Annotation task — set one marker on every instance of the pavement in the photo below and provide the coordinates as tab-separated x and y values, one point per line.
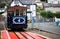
44	33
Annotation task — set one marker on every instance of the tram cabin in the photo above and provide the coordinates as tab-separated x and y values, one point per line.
16	17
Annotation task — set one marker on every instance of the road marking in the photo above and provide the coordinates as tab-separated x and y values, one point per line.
20	35
8	34
35	36
28	37
38	35
12	35
4	34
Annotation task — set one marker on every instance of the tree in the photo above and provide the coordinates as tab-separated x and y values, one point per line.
43	14
39	9
57	14
2	5
50	14
46	14
1	13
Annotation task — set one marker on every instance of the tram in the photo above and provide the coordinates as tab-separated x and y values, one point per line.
16	17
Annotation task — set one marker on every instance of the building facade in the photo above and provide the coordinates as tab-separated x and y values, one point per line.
54	1
52	5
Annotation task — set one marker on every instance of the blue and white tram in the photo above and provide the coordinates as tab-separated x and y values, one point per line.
16	17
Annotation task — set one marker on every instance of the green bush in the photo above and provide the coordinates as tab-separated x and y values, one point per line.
1	13
57	14
2	5
39	9
50	14
43	14
46	14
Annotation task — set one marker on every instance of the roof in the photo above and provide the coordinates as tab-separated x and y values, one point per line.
52	5
14	8
26	1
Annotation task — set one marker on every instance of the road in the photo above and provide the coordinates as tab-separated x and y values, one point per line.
47	34
2	25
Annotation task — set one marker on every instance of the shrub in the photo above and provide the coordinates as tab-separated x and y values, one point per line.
43	14
47	14
39	9
50	14
2	5
57	14
1	13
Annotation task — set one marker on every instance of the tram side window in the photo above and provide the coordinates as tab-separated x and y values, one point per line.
21	13
24	12
17	12
11	13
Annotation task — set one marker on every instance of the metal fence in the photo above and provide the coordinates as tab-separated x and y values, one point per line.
45	24
39	19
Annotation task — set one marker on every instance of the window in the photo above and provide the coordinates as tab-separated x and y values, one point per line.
17	12
21	13
28	6
44	0
51	2
24	12
10	13
58	2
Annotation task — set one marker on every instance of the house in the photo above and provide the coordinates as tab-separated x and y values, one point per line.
52	5
37	0
54	1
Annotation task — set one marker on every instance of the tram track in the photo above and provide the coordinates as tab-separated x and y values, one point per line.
24	35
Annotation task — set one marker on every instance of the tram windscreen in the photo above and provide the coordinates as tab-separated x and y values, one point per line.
17	12
10	13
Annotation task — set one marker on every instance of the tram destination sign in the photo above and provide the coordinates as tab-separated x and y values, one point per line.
18	20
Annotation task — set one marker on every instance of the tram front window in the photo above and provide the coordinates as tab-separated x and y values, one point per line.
11	13
17	12
21	13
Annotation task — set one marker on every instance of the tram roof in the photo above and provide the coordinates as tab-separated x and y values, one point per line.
14	8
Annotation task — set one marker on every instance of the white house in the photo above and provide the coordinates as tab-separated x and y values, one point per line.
54	1
52	5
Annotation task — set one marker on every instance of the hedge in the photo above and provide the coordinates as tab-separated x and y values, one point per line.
1	13
46	14
2	5
57	14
